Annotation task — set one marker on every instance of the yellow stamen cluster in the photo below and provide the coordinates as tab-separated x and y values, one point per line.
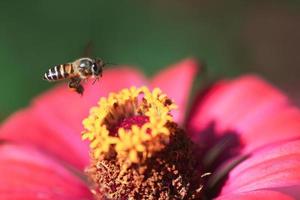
137	142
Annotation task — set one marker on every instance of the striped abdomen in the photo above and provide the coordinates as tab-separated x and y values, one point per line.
59	72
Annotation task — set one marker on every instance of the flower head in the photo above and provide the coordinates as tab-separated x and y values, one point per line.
138	150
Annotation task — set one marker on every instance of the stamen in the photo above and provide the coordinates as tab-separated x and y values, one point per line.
126	121
138	151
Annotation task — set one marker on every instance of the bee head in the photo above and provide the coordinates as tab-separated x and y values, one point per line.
97	67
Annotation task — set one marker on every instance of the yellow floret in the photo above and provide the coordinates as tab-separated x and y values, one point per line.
136	143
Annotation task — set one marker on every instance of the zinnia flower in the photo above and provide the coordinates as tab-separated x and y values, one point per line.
240	140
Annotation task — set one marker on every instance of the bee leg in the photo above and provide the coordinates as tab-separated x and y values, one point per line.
96	79
75	84
79	89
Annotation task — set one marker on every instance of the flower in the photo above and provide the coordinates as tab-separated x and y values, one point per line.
246	133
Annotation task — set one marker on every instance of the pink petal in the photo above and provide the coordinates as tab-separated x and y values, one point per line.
275	167
27	174
257	195
56	139
54	122
176	81
252	108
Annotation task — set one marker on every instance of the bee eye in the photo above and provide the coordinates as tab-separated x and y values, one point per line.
94	68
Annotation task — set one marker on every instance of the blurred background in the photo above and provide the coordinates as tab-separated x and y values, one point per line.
232	37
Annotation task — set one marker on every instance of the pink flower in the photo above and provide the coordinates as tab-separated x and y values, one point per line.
247	130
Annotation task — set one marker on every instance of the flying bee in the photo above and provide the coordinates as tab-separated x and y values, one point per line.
80	69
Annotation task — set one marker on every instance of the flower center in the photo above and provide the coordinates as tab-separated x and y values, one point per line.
128	122
138	151
134	122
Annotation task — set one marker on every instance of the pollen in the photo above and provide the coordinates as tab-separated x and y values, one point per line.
133	123
137	150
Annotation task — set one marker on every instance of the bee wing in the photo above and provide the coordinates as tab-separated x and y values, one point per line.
88	50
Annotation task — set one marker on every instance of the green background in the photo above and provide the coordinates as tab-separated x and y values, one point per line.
231	37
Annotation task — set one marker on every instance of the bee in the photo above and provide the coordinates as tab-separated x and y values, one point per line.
80	69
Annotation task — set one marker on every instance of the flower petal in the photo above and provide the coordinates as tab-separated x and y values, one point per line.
257	195
55	139
176	81
275	167
53	122
252	108
27	174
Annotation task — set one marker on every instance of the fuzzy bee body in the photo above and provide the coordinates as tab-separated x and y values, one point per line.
80	69
60	72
